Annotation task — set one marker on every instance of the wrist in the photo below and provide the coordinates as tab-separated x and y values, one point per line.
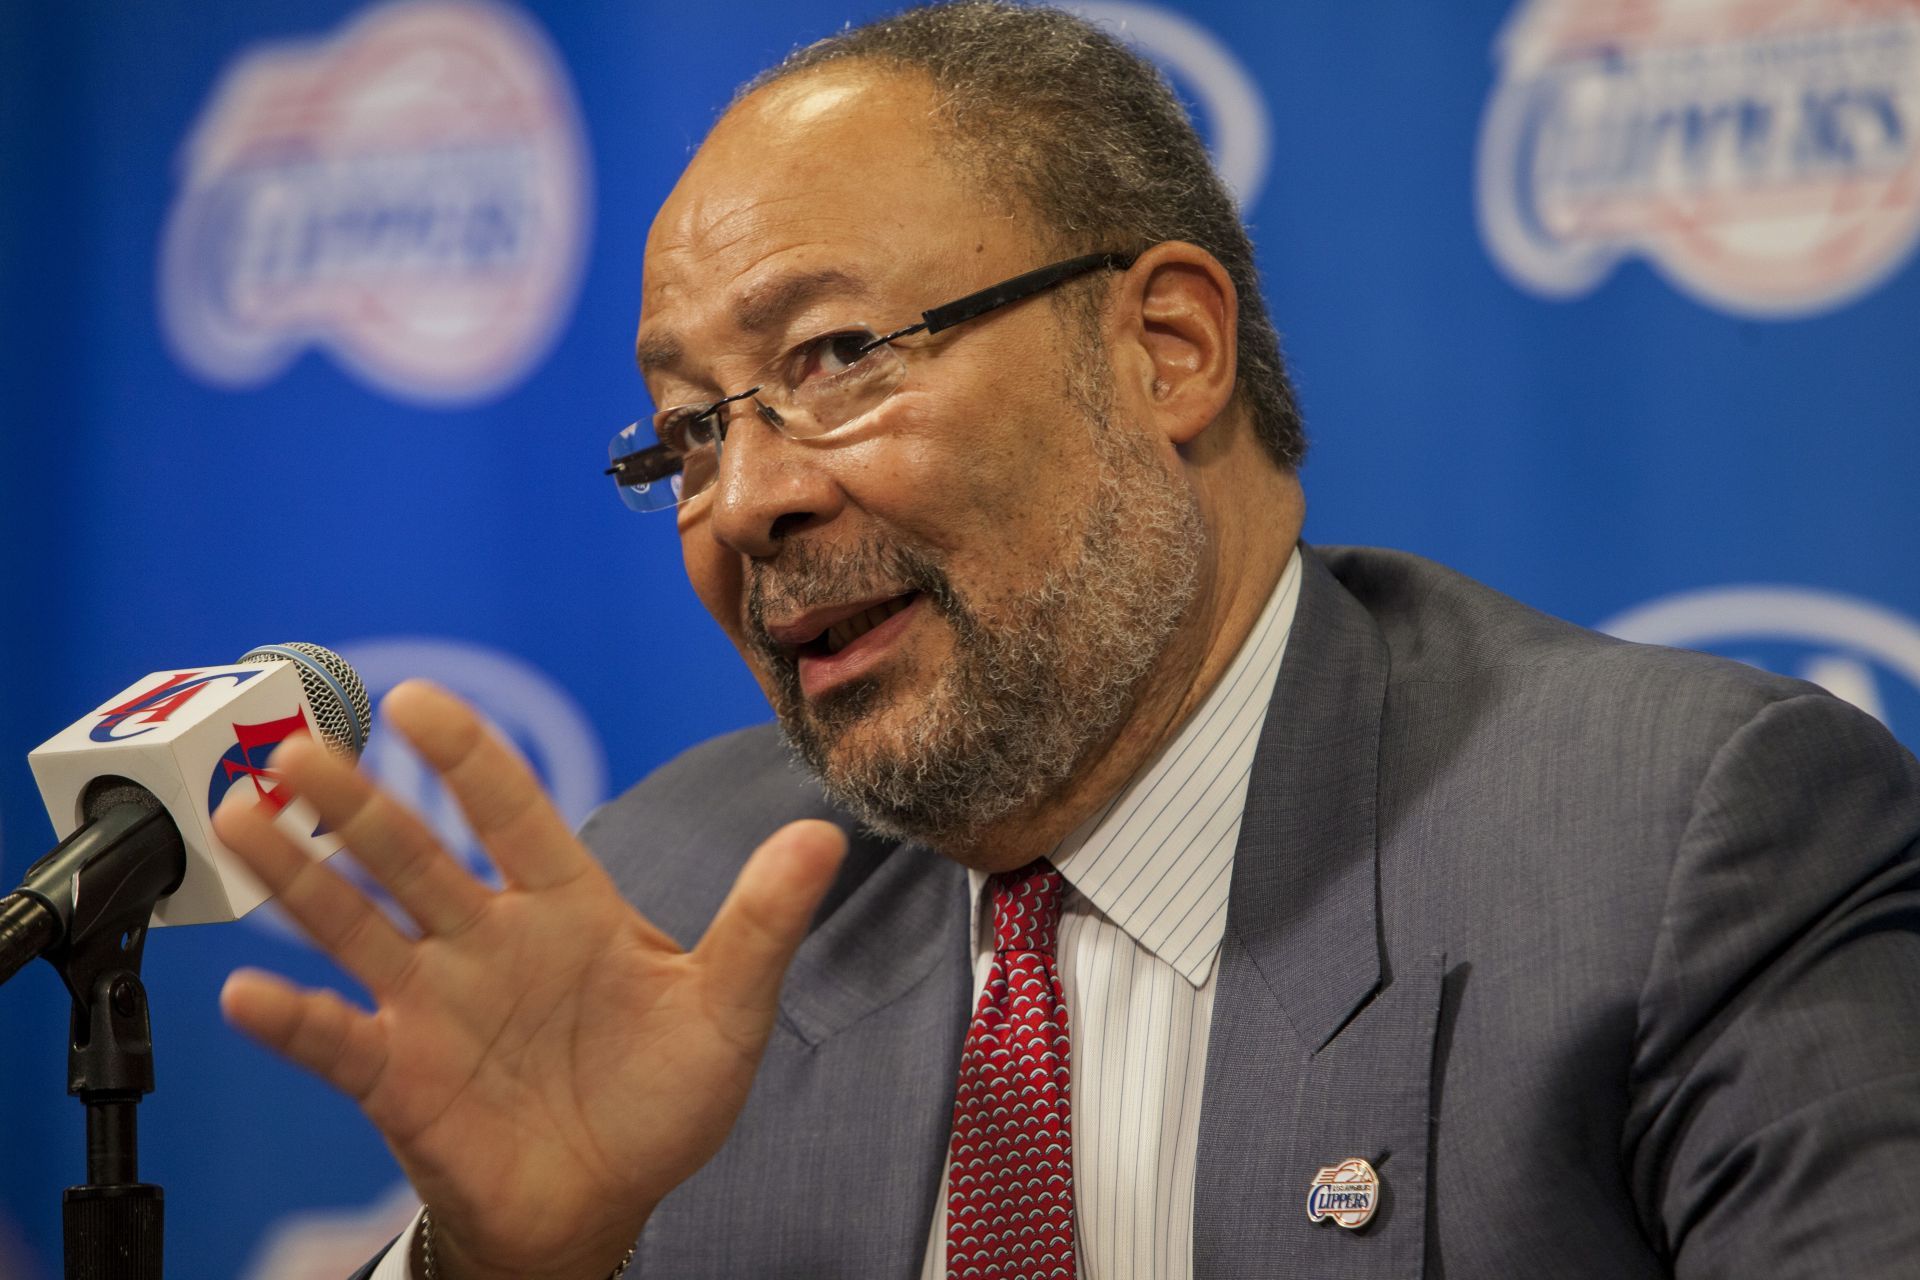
436	1257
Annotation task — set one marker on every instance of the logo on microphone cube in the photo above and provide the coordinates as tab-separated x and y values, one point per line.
189	737
156	706
246	760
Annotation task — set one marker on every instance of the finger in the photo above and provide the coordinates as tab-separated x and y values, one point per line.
392	843
766	913
334	914
316	1030
510	814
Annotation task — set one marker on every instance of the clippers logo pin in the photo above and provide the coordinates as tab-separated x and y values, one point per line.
1347	1192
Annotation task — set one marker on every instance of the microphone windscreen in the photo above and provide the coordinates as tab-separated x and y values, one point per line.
334	689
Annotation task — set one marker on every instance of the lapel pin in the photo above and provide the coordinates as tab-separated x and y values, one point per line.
1347	1192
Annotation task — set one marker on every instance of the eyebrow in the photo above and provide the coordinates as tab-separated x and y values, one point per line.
656	351
763	308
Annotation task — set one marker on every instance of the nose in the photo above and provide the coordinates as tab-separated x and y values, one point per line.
769	486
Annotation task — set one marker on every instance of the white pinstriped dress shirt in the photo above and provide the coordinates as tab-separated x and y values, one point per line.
1140	928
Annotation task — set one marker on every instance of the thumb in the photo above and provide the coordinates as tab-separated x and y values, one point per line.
766	913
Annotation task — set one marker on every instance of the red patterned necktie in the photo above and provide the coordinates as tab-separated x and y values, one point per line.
1010	1181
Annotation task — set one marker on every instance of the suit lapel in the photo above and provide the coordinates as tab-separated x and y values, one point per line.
831	1171
1310	1060
1305	895
877	996
904	912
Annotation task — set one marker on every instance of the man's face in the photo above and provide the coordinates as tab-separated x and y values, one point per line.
951	603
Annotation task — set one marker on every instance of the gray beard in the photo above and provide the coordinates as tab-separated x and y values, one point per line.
1023	702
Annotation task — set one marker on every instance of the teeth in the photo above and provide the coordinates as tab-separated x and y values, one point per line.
847	630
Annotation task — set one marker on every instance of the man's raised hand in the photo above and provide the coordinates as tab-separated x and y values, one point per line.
544	1063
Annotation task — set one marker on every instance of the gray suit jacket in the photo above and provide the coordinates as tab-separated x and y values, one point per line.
1607	957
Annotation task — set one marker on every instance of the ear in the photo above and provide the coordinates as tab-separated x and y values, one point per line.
1177	345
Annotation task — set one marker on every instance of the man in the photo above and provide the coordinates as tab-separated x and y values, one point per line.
1318	914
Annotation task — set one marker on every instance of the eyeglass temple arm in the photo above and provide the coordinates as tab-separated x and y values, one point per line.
1021	286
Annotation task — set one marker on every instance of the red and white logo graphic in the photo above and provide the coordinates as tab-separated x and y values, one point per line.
409	195
1764	155
150	708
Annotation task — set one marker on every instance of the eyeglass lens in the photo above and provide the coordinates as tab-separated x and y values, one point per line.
811	390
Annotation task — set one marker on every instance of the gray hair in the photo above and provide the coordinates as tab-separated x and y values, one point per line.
1094	141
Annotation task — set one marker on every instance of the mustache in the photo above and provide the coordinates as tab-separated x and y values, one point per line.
806	576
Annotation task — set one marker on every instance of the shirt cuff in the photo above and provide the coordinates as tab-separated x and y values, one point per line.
394	1265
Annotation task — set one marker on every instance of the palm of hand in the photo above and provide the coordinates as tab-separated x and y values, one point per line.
563	1039
545	1064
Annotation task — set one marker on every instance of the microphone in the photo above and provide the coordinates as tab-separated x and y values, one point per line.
131	788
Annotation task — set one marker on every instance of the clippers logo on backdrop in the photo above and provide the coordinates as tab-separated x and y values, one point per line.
1863	652
409	195
1763	154
539	718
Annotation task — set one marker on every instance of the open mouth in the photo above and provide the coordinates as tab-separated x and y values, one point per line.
847	630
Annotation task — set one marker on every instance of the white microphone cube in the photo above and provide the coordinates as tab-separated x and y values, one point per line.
191	737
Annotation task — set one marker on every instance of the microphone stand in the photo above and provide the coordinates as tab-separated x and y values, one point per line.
113	1222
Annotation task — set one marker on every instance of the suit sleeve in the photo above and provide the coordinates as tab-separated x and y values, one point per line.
1775	1123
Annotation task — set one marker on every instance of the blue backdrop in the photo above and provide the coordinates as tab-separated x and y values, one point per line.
315	316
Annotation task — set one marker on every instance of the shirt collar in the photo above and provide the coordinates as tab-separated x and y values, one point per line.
1158	859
